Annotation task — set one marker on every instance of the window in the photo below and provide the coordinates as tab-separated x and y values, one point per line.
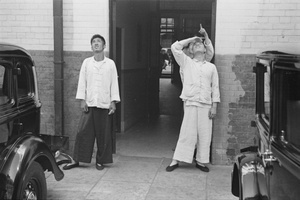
3	85
289	104
263	90
267	92
167	30
23	80
167	25
4	102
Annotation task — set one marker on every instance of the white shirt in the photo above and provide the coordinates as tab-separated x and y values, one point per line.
98	83
201	80
209	54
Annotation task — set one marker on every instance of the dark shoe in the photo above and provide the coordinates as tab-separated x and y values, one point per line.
71	165
171	168
202	167
99	166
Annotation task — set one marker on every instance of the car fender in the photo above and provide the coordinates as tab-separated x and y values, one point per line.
17	157
248	178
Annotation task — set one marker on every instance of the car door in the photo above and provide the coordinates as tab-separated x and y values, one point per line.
285	177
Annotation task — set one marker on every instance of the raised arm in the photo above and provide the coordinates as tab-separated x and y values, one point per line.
207	42
177	49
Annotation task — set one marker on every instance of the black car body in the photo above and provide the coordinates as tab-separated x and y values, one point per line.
271	170
24	156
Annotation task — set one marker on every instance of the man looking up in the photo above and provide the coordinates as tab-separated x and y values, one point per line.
200	94
98	91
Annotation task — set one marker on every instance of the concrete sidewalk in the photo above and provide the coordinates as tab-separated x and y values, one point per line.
141	178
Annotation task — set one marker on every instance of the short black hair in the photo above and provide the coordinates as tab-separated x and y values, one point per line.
98	36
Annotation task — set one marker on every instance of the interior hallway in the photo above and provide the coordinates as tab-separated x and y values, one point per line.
156	138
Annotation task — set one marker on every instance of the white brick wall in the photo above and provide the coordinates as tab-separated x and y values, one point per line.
247	26
29	23
243	26
82	19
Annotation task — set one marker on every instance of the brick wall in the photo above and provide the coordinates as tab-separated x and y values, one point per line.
243	28
27	23
232	130
45	73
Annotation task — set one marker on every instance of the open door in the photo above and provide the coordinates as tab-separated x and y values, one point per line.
154	68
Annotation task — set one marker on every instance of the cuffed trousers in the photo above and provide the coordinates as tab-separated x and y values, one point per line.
95	124
196	129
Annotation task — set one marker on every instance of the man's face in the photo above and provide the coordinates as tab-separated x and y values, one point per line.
97	45
197	46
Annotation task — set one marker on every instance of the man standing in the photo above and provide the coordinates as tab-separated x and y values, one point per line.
200	94
98	92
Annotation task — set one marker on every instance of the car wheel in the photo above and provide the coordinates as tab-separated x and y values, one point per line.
33	186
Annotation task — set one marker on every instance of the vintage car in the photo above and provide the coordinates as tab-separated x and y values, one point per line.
24	155
271	170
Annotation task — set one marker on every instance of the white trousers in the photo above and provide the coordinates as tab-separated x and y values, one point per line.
196	129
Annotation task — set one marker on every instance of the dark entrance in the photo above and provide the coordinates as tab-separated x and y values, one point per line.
144	27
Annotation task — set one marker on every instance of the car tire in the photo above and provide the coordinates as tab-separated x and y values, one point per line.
34	184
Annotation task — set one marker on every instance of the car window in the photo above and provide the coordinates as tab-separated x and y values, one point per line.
267	92
289	112
23	79
3	86
293	109
263	93
4	100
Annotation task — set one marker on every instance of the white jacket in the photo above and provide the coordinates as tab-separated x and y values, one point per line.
98	83
201	80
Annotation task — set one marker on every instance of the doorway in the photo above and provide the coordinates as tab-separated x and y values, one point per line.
148	26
